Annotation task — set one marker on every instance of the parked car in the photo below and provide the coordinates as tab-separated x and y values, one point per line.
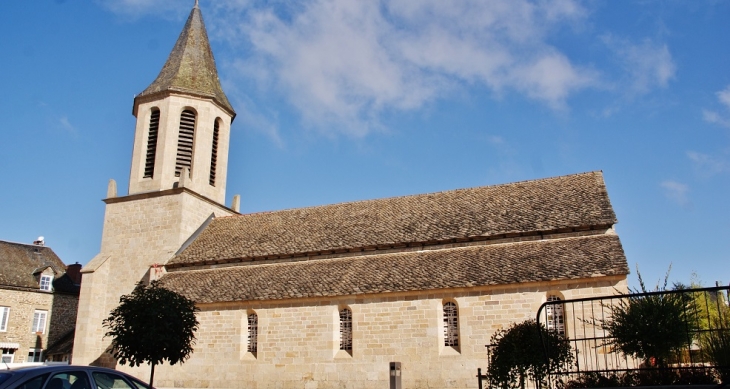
67	377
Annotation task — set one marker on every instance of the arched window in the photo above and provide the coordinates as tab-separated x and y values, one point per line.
214	152
149	163
346	329
451	325
253	333
185	142
555	315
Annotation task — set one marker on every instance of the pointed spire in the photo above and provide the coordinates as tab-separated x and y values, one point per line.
190	68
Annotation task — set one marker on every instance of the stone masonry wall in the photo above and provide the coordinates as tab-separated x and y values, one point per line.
137	234
298	341
63	316
23	305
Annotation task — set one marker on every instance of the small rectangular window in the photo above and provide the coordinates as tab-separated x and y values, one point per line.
46	283
35	355
8	355
4	315
39	321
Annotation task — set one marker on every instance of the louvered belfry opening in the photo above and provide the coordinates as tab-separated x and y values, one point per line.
346	329
214	153
451	325
185	142
149	163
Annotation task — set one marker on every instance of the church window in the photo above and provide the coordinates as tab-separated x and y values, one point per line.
346	329
4	314
451	325
214	152
555	315
46	283
149	163
185	138
253	332
39	321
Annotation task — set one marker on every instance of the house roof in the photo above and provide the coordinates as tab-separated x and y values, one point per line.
496	264
190	68
19	262
551	204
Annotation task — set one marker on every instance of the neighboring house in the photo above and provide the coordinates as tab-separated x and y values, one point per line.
38	302
328	296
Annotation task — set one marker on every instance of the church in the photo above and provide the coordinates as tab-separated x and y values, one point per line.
328	296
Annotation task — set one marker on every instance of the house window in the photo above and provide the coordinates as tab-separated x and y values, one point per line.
214	153
8	355
185	142
555	315
346	329
149	163
451	325
39	321
35	355
46	282
253	332
4	315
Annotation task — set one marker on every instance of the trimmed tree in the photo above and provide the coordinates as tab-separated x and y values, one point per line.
151	325
519	354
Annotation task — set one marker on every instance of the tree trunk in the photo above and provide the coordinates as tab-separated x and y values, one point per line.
152	374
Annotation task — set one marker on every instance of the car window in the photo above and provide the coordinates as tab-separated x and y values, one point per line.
68	380
110	381
4	377
139	384
33	383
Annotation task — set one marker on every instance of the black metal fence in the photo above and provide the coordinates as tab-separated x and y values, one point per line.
656	338
617	337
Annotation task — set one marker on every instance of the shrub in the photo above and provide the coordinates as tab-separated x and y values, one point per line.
519	354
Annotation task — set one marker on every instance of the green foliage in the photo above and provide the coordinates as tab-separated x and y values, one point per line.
518	354
715	338
151	325
652	377
652	328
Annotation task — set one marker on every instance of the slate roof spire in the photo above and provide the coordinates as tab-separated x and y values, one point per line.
190	68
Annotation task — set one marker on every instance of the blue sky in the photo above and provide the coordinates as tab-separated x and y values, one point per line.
348	100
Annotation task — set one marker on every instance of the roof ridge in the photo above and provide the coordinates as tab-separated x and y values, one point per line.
594	172
24	244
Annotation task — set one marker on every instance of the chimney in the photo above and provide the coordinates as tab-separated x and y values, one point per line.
74	273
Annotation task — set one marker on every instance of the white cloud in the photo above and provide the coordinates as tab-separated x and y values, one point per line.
648	64
676	192
723	97
66	125
344	63
707	165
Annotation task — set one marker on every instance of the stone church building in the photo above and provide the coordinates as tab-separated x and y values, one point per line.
328	296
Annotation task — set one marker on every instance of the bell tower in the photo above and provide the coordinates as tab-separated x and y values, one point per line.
177	184
183	121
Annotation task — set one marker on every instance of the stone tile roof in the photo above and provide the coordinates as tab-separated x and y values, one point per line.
19	262
550	204
190	68
498	264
